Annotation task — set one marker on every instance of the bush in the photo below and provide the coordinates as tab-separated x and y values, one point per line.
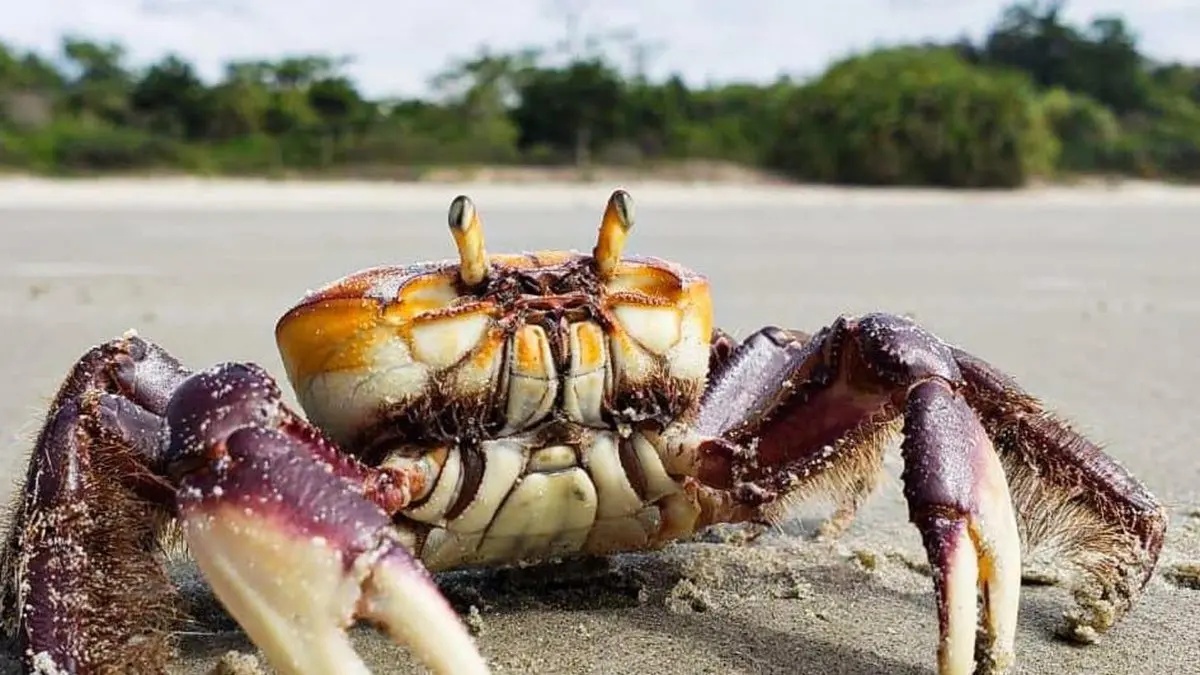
1089	134
914	116
250	154
1169	145
72	147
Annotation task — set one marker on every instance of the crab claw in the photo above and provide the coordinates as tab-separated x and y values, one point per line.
286	539
959	499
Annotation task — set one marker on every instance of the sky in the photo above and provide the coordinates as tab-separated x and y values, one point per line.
396	46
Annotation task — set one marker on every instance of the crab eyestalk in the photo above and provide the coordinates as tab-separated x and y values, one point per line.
614	228
468	237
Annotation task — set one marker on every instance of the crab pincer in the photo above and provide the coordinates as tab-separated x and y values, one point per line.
959	500
281	527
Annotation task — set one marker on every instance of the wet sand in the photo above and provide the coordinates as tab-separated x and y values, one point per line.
1091	298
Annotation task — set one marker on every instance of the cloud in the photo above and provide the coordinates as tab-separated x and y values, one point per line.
397	45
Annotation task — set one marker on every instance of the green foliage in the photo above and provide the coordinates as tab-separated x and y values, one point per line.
1089	135
171	100
1166	143
578	107
1036	97
71	147
912	116
1100	61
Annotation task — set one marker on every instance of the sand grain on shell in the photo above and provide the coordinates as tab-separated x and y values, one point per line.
1088	297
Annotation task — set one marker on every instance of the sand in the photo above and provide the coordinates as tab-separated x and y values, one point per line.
1091	297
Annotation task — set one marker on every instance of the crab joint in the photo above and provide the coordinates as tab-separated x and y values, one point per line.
468	237
614	228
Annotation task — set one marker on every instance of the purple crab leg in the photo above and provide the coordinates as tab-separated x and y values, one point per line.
82	587
987	469
283	530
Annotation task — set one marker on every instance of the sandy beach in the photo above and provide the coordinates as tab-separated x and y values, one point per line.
1090	297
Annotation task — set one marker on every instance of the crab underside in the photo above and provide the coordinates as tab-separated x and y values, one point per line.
502	409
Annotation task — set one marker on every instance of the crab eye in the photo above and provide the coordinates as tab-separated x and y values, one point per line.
468	237
614	228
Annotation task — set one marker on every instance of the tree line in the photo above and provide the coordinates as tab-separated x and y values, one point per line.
1037	97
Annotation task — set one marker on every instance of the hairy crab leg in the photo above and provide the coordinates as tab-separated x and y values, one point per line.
290	534
82	589
1115	528
817	412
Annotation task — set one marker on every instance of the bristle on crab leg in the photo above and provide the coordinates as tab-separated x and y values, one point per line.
614	229
288	543
468	237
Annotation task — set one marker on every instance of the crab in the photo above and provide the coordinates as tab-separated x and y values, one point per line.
505	409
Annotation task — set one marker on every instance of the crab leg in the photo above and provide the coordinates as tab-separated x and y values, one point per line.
959	500
1070	495
82	590
817	413
288	533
